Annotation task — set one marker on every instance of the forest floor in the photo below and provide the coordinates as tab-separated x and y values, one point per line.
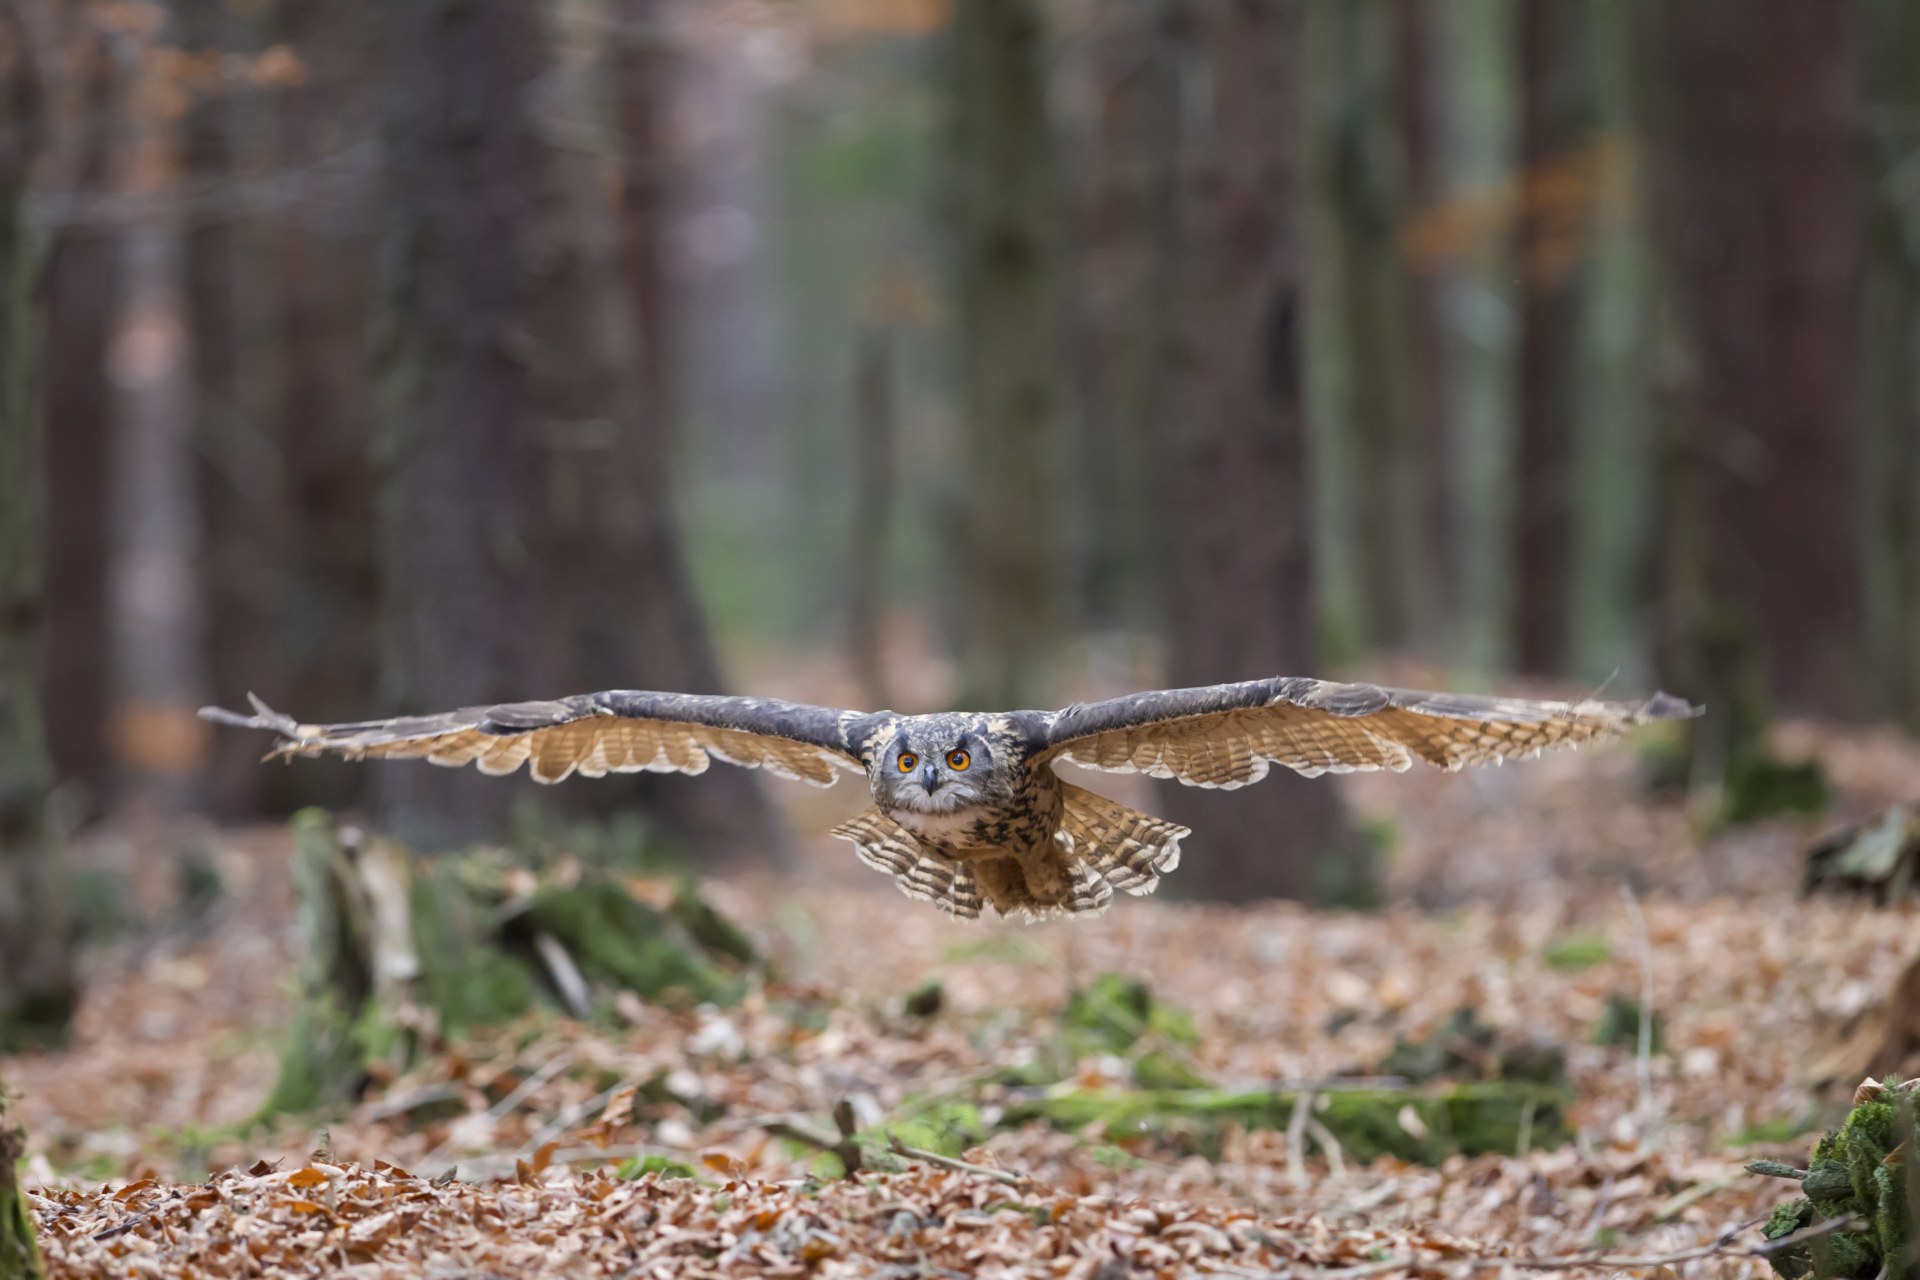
1507	898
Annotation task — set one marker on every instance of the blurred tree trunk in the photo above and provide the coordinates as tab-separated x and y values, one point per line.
530	545
636	613
1007	214
1124	221
310	484
1549	243
240	474
472	190
36	961
19	1253
1891	442
1241	581
155	591
1370	295
876	472
82	289
1757	129
1420	106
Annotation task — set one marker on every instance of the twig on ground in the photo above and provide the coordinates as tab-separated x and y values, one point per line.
845	1146
544	1072
1643	1048
1329	1147
134	1223
1297	1139
1007	1176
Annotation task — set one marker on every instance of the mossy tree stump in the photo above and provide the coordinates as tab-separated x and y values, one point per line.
19	1254
1866	1170
402	953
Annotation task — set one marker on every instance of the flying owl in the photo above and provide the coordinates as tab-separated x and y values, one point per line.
967	808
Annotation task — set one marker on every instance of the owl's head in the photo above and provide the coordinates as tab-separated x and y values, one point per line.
936	764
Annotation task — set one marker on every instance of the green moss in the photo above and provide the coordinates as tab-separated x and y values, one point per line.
1619	1026
1860	1169
925	1000
616	938
19	1252
467	950
1116	1014
660	1166
1421	1126
946	1125
1572	952
1465	1048
1762	787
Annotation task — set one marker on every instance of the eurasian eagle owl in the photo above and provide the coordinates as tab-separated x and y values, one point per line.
967	809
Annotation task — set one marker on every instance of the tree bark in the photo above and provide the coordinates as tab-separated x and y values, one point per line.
1891	440
19	1253
1420	107
300	481
472	192
1242	583
530	546
655	636
153	491
876	439
36	960
1548	242
1374	440
1758	134
1123	218
82	290
1007	215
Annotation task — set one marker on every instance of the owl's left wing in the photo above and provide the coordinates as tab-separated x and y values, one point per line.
1228	735
618	731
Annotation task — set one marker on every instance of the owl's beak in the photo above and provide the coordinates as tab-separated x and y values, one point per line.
930	778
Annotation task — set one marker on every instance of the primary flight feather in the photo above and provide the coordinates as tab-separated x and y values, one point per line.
968	810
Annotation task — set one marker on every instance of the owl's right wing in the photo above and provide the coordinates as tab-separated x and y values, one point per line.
1227	735
619	731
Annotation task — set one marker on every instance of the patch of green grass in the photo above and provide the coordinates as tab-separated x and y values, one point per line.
1572	952
640	1166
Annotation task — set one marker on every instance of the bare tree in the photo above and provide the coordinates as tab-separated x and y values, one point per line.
1891	445
81	289
1241	590
1420	107
36	972
1756	114
1007	213
476	204
1553	110
529	537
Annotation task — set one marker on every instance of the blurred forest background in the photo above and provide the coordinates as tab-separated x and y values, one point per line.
393	358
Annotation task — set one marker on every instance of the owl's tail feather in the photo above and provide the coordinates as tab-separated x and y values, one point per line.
885	845
1130	850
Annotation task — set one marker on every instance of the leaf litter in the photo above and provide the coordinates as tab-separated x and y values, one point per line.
647	1144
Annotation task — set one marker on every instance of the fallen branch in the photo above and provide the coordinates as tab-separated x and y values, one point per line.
844	1147
1007	1176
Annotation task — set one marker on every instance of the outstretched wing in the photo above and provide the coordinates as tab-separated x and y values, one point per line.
620	731
1227	735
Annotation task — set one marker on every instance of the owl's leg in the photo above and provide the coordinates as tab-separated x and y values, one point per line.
1004	884
1048	879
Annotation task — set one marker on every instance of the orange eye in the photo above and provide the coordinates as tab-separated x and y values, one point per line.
909	762
958	760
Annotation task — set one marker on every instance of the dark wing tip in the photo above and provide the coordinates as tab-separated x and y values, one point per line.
1664	706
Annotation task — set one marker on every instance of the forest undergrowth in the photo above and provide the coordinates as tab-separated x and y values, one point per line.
1532	913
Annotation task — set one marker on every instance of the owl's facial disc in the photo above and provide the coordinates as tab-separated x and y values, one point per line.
930	777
